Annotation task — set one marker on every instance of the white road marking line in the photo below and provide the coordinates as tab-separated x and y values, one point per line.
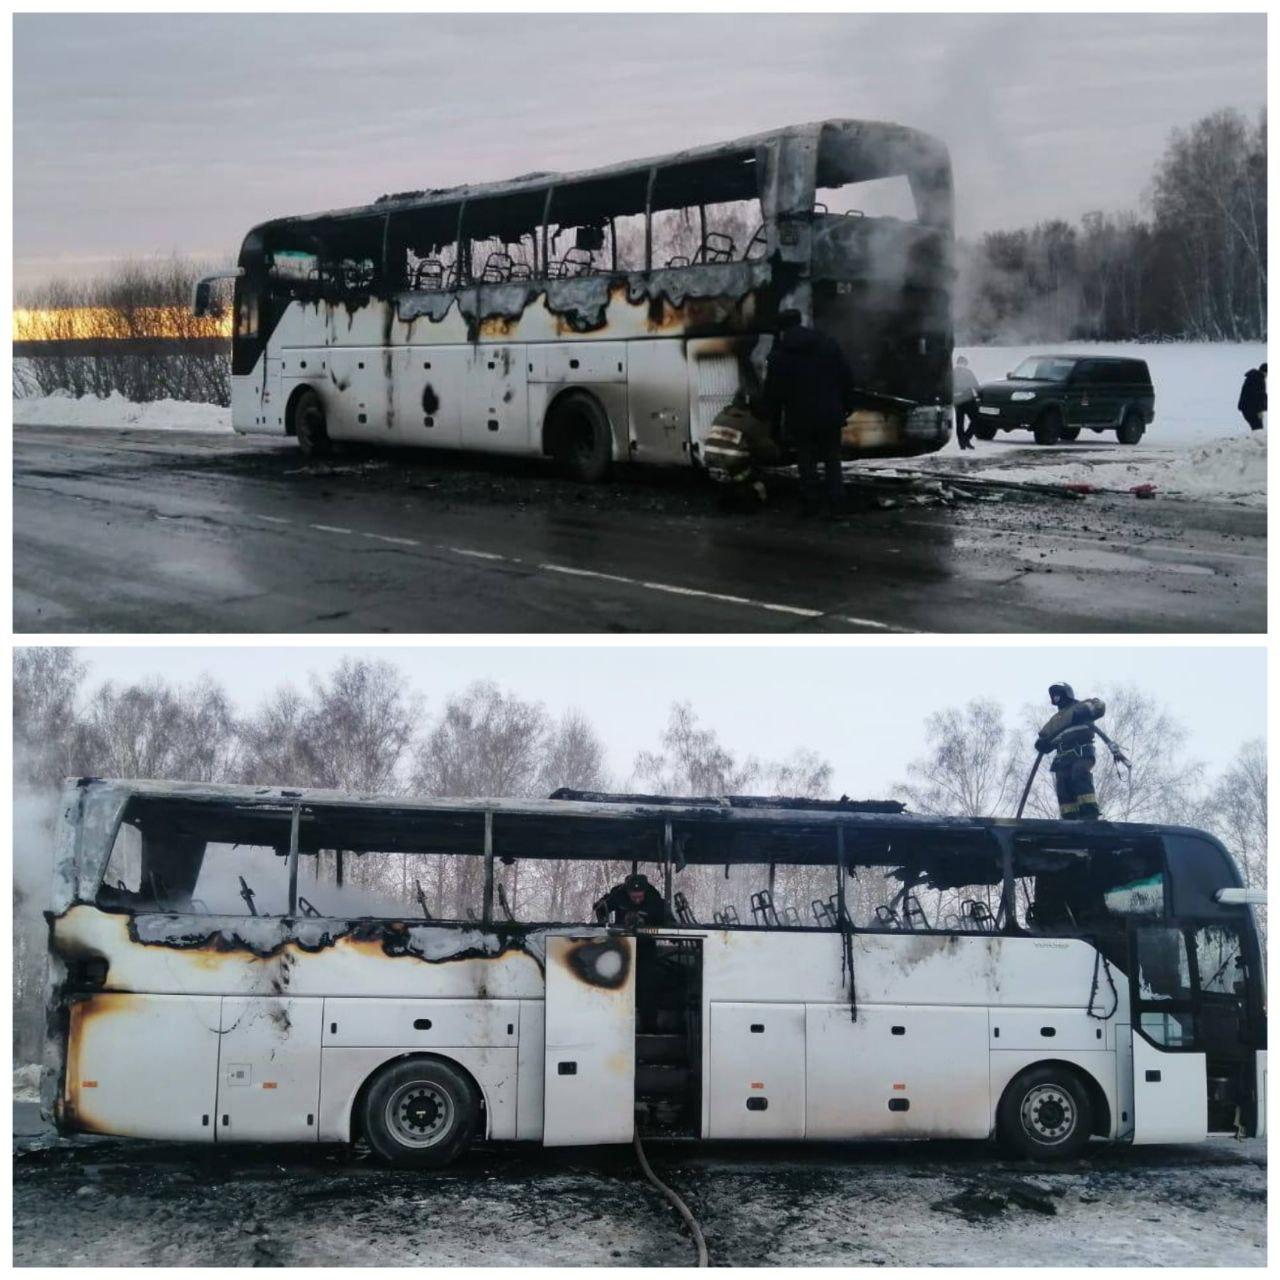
276	519
398	542
478	555
672	589
328	528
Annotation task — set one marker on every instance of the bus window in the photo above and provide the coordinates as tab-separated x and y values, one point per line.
242	880
733	228
1164	987
676	238
875	198
1219	962
1065	889
941	894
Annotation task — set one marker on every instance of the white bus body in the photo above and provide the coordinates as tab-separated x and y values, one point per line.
215	1028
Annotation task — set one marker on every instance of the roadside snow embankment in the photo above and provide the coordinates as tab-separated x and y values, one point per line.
115	413
1233	470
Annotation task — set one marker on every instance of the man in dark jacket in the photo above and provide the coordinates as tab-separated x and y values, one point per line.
633	903
1253	397
1069	735
809	389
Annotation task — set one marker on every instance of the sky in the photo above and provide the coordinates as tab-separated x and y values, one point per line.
861	707
148	134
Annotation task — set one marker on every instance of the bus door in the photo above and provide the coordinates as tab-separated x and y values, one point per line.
589	1080
1169	1069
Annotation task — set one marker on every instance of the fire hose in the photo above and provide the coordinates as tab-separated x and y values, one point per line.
681	1208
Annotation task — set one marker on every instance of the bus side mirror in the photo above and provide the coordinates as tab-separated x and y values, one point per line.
202	301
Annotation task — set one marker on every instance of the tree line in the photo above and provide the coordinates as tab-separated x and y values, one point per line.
1195	267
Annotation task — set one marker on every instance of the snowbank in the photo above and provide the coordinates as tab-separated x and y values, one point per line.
1227	471
26	1083
118	414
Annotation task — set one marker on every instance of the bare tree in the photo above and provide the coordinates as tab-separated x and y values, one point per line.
46	743
971	765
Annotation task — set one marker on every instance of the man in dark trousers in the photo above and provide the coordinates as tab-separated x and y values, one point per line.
809	389
964	396
1253	397
1069	735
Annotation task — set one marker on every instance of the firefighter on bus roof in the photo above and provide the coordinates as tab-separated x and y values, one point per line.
1069	735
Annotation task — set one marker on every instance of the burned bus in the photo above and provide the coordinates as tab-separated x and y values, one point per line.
251	964
606	316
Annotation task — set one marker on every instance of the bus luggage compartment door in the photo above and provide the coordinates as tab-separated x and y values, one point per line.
143	1066
269	1069
1170	1102
589	1063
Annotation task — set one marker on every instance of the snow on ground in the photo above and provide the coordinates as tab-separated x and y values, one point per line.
26	1083
118	414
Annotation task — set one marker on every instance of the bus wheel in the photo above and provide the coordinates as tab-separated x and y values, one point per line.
420	1113
309	426
1131	429
1048	430
1045	1114
578	438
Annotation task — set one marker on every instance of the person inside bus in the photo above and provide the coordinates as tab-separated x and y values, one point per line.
809	391
633	903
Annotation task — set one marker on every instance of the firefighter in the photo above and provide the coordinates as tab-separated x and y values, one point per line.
739	443
809	390
1069	735
964	396
633	903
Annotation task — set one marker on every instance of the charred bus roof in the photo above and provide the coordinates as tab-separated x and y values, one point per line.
585	825
825	153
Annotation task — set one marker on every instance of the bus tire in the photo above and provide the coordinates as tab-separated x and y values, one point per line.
420	1113
1132	428
578	437
309	424
1048	428
1045	1113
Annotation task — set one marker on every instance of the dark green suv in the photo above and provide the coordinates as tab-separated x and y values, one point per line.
1055	397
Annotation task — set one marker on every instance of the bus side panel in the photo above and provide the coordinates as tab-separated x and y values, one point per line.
757	1076
269	1069
420	1024
496	417
1260	1128
898	1071
343	1071
143	1066
531	1065
1170	1095
658	401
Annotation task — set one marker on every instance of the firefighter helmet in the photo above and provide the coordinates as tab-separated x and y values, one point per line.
1061	692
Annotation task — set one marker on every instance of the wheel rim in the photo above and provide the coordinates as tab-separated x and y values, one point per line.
419	1114
1049	1114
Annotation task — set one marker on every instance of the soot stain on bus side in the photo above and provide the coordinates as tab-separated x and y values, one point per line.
600	963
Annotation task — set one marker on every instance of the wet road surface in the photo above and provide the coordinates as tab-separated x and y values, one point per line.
175	532
107	1201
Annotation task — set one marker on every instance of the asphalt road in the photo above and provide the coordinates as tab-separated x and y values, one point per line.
106	1201
173	532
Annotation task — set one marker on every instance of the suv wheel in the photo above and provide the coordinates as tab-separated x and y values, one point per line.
1049	427
1069	433
984	431
1132	428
